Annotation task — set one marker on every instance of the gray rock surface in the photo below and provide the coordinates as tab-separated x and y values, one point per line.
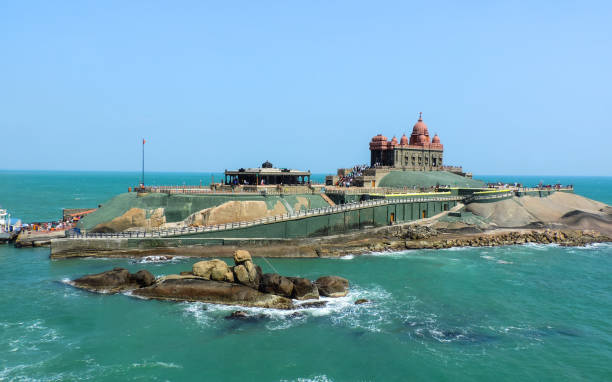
113	281
215	292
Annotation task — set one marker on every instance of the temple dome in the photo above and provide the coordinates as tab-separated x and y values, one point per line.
394	141
404	140
379	138
436	139
423	139
420	128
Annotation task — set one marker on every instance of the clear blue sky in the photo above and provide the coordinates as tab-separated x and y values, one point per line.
510	87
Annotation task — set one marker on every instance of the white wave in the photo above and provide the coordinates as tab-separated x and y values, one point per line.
199	311
487	257
168	365
394	254
594	246
347	257
316	378
158	259
539	246
341	310
456	248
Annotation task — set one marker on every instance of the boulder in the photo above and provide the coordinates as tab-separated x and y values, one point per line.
304	289
229	276
332	286
245	317
113	281
311	304
237	315
212	269
247	274
240	256
214	292
143	278
361	301
276	284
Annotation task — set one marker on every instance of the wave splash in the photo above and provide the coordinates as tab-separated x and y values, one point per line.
341	311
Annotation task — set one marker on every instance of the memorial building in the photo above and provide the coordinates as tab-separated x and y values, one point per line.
417	153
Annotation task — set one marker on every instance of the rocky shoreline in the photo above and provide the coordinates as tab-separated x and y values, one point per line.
393	238
424	237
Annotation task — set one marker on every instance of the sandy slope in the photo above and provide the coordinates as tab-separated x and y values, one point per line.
570	210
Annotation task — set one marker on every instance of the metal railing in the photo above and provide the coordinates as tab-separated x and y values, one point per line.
229	190
300	214
497	195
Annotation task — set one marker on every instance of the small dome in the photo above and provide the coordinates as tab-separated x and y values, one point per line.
266	164
436	139
394	141
379	138
423	139
404	140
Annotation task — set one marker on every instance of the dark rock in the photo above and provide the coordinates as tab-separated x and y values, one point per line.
332	286
215	292
295	315
143	278
362	301
304	289
237	315
276	284
113	281
313	304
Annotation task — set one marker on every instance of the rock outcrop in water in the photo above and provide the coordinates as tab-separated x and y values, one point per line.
115	280
332	286
215	282
216	292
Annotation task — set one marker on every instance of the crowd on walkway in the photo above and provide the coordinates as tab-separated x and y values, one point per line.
58	225
540	186
349	178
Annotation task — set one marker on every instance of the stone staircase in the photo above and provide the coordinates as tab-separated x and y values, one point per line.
328	200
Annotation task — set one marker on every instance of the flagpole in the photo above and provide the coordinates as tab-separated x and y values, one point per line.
143	144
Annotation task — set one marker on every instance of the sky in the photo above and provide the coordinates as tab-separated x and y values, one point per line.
511	87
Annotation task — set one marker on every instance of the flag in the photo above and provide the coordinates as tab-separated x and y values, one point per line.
143	141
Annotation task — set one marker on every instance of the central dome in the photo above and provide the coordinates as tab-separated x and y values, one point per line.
420	128
420	134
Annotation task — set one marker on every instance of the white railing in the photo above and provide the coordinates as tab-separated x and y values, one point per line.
300	214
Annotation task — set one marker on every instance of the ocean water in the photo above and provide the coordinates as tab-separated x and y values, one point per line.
532	312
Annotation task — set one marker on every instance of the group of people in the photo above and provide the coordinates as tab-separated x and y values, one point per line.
348	179
69	222
540	186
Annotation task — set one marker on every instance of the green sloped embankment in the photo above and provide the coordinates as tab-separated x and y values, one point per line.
417	179
179	207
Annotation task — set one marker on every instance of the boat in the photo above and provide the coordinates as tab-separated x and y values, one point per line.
8	231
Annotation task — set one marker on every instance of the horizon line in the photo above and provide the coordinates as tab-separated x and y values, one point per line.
315	173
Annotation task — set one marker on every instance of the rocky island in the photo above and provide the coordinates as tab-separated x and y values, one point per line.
407	198
215	282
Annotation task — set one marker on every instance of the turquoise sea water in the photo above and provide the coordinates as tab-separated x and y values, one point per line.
530	312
